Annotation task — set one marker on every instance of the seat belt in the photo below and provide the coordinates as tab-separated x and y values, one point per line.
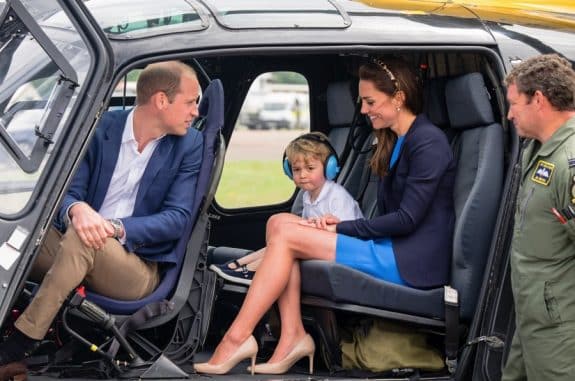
137	319
451	301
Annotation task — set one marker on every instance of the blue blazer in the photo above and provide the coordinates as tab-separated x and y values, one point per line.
415	202
164	202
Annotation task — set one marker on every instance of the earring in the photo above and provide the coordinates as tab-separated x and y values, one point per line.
398	109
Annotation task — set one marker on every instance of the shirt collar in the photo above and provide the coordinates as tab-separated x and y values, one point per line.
567	129
322	193
128	134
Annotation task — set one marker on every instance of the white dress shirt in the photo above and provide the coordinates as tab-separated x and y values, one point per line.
123	189
332	199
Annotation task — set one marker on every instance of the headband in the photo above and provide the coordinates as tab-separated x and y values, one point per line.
384	67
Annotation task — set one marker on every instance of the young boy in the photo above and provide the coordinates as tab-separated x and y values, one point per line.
311	162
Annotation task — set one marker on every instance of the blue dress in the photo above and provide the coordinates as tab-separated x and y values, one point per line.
413	232
376	256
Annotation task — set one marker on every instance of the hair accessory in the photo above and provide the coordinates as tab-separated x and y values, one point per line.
384	67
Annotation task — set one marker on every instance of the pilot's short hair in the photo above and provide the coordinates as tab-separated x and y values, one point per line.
161	76
551	74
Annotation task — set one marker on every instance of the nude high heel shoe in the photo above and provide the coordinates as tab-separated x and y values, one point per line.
248	349
305	347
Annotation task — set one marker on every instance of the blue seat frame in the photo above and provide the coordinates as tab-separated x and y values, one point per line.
210	122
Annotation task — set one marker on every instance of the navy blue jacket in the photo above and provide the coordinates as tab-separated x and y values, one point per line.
415	202
164	202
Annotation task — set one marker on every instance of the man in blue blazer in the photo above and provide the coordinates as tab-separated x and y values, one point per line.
128	204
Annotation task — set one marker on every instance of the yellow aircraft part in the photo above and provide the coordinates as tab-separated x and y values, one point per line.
555	14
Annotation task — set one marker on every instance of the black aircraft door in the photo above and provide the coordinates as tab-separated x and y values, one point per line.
54	63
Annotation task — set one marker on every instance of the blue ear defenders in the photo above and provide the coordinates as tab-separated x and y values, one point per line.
331	165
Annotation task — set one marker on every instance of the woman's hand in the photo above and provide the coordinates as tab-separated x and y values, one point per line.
326	222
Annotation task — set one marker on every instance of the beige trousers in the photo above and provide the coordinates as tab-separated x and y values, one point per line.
65	262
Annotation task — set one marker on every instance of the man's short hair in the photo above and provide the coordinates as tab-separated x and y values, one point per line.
549	73
161	76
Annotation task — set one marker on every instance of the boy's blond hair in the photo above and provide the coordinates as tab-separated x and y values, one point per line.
307	148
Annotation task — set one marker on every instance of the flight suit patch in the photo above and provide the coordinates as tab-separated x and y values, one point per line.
571	163
543	172
573	190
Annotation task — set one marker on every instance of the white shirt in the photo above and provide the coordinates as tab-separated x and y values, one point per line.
333	199
123	189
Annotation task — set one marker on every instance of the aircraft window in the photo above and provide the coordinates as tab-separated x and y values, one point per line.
124	96
38	87
129	19
275	111
279	14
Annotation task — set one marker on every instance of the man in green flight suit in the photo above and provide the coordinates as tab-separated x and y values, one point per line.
541	92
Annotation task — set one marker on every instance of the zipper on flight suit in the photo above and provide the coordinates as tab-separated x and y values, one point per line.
524	207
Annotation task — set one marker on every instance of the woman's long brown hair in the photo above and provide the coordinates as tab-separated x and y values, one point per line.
390	75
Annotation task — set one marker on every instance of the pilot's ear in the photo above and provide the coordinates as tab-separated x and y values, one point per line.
540	99
160	100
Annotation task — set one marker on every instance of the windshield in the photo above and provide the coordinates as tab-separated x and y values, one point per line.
41	71
126	19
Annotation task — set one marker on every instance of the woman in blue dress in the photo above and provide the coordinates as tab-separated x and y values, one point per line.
409	243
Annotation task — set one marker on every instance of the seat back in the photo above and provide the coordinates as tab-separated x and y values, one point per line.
210	122
340	109
434	105
478	149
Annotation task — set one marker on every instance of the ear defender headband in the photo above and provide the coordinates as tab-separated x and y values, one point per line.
331	164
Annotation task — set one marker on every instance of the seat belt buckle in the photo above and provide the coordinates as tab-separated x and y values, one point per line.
450	296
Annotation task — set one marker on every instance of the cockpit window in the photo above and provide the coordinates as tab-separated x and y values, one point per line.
279	14
130	19
41	71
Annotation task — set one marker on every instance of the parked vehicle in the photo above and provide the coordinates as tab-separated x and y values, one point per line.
80	52
286	111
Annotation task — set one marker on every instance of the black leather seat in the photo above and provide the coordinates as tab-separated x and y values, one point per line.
478	145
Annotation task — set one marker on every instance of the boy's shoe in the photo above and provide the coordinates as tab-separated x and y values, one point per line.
240	274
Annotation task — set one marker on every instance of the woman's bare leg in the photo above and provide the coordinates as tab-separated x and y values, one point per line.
292	329
287	242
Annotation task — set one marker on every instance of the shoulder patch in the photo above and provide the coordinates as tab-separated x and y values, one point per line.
543	172
571	163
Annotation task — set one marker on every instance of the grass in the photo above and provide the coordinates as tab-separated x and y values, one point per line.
244	183
253	183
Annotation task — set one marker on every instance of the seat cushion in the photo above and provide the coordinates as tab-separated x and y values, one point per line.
341	284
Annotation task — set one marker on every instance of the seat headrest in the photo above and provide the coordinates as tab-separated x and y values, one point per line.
434	102
468	103
340	104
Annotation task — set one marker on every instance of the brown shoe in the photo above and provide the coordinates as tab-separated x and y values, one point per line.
16	371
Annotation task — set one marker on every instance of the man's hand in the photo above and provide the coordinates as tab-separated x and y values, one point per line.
91	227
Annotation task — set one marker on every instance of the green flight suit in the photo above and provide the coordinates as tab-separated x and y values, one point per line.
543	263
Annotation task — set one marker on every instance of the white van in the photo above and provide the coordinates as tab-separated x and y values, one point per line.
284	110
